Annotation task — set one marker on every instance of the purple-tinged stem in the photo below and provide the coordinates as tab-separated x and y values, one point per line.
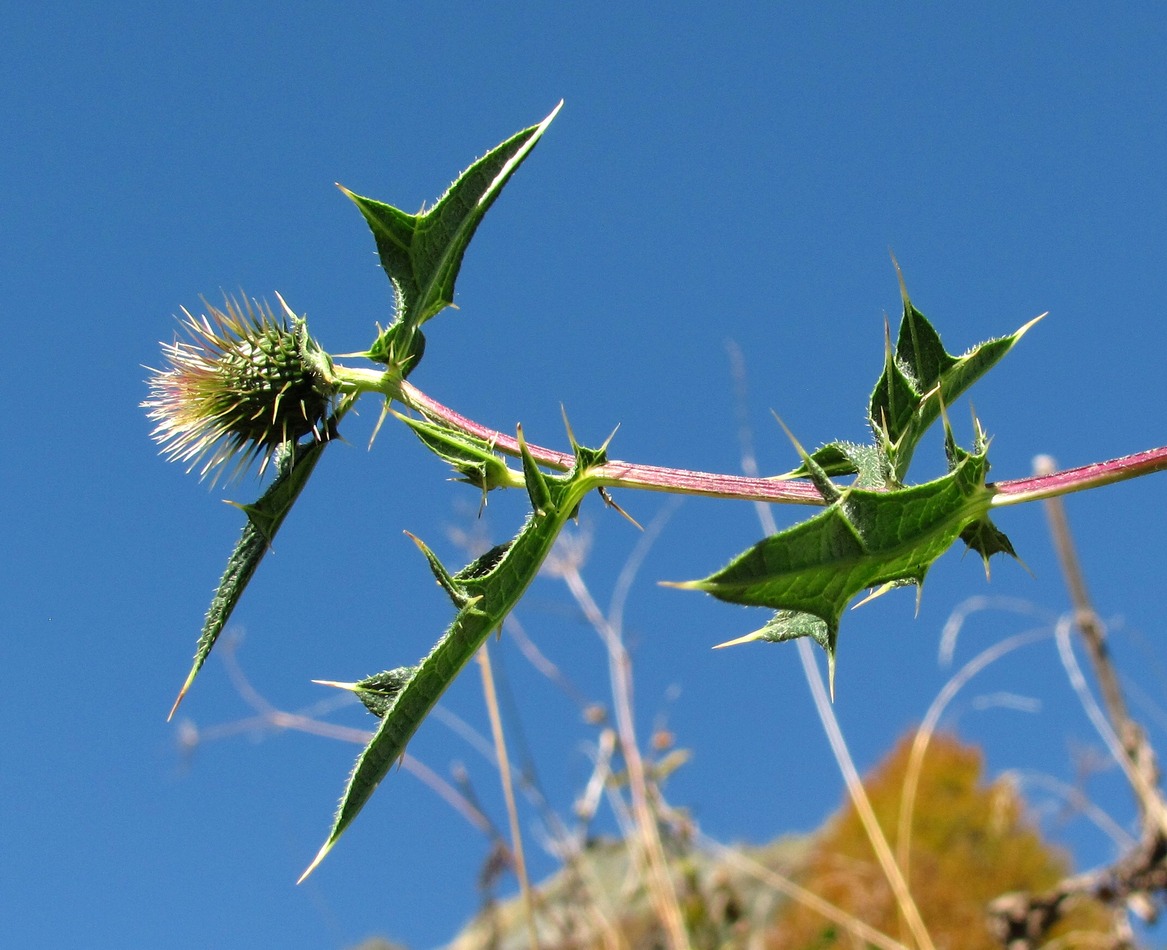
627	474
786	491
1018	490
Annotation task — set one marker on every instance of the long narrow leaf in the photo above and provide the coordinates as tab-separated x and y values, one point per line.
488	592
264	519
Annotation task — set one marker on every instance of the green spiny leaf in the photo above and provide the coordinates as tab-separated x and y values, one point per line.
791	625
484	564
377	692
918	375
445	580
474	459
987	539
400	347
538	485
981	535
294	465
866	539
868	462
422	253
816	473
492	585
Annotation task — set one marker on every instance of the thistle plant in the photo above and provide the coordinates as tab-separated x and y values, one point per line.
249	386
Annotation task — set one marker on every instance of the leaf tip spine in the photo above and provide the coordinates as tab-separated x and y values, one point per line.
900	278
877	592
737	641
611	503
351	687
608	441
320	856
182	692
567	425
817	473
1028	326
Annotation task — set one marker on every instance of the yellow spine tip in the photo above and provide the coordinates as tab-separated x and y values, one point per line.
320	855
748	638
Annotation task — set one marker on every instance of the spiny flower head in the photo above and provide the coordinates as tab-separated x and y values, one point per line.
243	383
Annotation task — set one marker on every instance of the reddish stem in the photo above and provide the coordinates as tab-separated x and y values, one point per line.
787	491
1018	490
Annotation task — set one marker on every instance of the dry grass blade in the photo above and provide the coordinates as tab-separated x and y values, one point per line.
504	771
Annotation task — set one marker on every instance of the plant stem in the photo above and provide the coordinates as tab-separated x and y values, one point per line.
1052	484
625	474
1140	762
791	491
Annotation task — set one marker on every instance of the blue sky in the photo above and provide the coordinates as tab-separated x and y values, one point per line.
732	174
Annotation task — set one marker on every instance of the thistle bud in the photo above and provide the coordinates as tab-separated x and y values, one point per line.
242	383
